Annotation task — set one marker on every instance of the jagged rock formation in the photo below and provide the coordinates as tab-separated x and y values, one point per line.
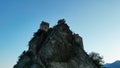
56	47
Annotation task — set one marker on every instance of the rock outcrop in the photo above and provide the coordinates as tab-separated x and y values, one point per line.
56	47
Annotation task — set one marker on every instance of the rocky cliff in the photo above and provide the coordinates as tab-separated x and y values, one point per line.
56	47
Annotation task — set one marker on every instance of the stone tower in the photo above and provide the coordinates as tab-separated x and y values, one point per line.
44	26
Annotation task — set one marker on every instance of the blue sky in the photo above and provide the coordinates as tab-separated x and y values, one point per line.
97	21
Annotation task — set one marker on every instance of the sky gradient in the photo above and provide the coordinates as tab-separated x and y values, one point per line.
96	21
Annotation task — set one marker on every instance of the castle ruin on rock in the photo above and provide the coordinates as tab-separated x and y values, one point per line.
56	47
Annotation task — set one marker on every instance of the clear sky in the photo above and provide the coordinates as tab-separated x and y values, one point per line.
97	21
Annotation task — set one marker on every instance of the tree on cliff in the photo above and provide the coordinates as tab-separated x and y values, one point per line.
97	59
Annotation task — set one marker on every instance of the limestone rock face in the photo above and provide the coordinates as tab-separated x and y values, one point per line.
58	47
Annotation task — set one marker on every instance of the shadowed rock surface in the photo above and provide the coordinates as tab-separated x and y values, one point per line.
56	47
